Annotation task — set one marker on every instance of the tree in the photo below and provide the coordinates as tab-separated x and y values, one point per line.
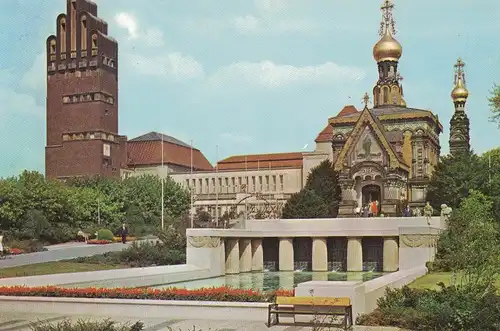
305	204
471	244
324	181
453	177
494	100
491	187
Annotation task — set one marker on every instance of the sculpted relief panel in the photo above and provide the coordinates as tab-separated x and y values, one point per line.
204	242
367	148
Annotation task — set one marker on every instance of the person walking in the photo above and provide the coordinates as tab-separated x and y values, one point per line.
124	233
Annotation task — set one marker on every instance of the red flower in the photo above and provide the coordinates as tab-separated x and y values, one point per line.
203	294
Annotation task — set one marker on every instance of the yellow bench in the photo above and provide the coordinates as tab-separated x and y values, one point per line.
317	306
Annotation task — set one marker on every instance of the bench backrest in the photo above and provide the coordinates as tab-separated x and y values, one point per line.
314	301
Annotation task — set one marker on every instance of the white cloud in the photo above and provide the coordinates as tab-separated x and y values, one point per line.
14	102
239	138
34	78
271	75
173	65
246	23
129	22
271	5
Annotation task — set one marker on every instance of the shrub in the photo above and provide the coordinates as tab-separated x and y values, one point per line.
82	325
204	294
105	234
451	308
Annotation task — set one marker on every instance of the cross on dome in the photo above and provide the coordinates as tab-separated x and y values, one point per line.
388	21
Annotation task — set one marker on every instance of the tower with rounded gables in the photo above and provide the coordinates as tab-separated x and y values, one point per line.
82	96
459	123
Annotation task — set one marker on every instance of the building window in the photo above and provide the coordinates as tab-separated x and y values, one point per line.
233	180
267	183
206	185
260	183
200	184
274	183
62	36
213	186
281	184
187	183
106	150
219	182
84	33
253	184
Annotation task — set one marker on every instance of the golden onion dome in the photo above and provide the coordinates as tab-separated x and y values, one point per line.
459	93
387	48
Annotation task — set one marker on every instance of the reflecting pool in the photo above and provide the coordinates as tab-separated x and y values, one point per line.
265	281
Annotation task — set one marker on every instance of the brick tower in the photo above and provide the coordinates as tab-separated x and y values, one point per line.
82	97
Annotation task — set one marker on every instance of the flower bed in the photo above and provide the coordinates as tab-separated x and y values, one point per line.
99	242
14	251
119	239
204	294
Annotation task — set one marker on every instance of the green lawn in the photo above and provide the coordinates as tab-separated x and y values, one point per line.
430	281
53	268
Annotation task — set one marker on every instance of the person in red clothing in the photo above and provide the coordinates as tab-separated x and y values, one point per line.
373	208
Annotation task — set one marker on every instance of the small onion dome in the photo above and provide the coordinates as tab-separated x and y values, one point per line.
387	48
459	93
403	102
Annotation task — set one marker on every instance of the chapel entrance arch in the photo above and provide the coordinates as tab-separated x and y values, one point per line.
371	192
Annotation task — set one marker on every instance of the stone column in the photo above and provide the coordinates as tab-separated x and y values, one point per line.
286	254
232	256
391	255
257	255
354	254
319	254
245	255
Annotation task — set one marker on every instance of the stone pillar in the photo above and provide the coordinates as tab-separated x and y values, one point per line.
245	255
354	254
286	254
232	256
391	255
257	255
319	254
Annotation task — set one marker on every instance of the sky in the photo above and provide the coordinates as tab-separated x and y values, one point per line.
251	76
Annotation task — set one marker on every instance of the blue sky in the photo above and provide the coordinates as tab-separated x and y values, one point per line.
253	76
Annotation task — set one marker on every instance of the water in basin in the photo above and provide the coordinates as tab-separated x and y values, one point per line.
272	280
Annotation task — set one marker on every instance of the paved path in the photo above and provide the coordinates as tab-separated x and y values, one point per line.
60	252
21	322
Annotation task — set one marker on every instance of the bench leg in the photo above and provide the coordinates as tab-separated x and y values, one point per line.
350	317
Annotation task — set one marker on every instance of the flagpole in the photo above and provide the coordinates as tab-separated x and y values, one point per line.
259	192
246	188
162	187
191	180
216	185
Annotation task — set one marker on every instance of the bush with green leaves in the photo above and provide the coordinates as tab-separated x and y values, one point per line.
451	308
169	249
84	325
104	234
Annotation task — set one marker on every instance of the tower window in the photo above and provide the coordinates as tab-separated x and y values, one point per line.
62	35
84	33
